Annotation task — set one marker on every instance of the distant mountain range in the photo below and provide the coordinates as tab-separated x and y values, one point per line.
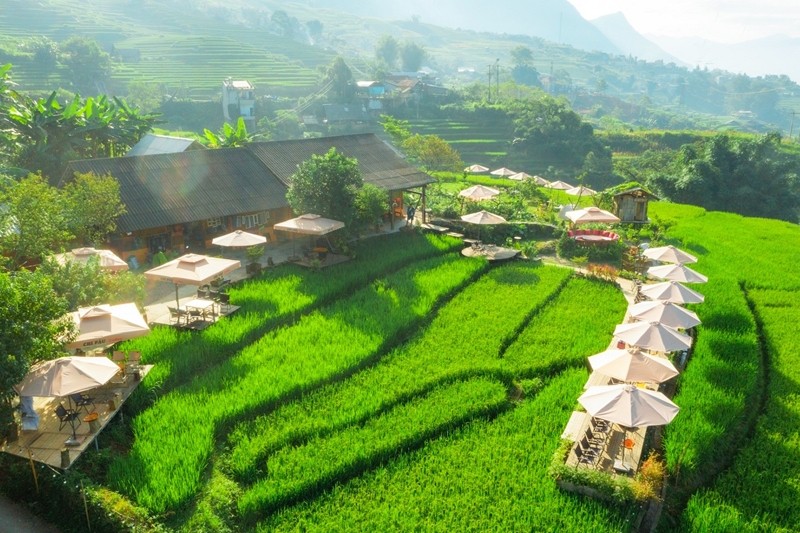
558	21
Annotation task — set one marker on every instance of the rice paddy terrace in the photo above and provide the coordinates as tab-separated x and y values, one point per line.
415	389
164	43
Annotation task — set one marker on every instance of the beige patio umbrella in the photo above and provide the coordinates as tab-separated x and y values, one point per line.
520	176
669	254
192	269
558	185
477	193
309	224
591	214
483	217
628	406
633	365
103	325
664	311
652	336
67	375
677	272
671	291
540	181
239	238
503	172
107	259
476	169
580	190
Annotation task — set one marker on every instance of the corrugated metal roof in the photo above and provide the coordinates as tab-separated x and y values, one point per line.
166	189
380	165
162	144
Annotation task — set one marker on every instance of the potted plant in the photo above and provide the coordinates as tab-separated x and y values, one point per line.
254	253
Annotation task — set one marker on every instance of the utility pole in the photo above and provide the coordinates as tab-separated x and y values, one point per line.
497	78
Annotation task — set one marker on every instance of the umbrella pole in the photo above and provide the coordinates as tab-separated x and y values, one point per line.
177	299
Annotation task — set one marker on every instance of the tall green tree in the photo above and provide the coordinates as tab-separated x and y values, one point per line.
387	50
88	65
341	77
412	56
326	185
31	326
92	205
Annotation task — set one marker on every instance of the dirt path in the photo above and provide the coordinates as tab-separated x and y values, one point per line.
15	518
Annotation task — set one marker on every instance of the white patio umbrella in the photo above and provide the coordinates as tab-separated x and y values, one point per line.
669	254
192	269
628	405
538	180
664	311
580	190
520	176
677	272
477	169
652	336
67	375
671	291
559	185
103	325
239	238
591	214
483	217
633	365
107	259
478	193
503	172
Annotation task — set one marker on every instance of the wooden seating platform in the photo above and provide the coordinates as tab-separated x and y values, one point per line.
47	443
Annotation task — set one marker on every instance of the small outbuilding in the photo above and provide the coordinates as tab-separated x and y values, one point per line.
631	205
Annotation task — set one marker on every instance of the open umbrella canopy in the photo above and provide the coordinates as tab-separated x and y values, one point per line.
677	272
476	169
503	171
671	291
664	311
192	269
591	214
580	190
478	193
669	254
67	375
107	259
102	325
239	238
483	217
559	185
540	181
309	224
633	365
629	406
520	176
652	336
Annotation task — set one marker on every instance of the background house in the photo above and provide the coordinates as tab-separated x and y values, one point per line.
180	201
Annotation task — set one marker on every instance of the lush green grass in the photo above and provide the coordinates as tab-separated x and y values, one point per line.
490	475
174	439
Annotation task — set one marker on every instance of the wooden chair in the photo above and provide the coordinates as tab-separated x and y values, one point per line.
134	362
119	358
585	456
224	301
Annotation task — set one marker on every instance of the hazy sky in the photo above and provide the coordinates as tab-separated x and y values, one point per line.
725	21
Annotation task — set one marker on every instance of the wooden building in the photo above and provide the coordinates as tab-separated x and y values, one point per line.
631	205
180	201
